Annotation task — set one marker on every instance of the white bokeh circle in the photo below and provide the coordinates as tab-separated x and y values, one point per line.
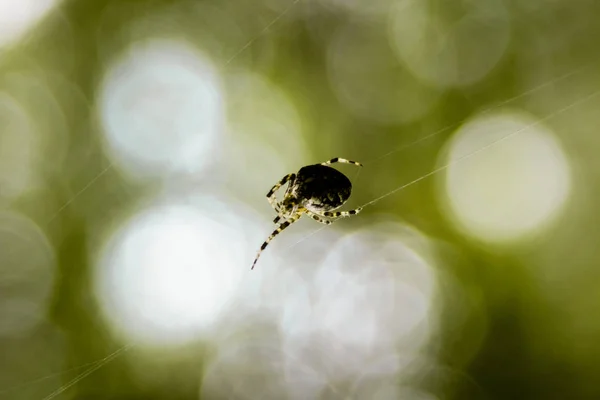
161	107
513	187
168	275
372	295
18	17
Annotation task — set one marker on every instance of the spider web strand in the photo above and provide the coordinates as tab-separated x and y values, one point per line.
97	365
457	160
112	356
110	165
469	155
483	112
85	188
262	32
46	377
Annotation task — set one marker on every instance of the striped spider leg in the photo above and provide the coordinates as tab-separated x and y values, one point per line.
342	161
332	216
276	232
271	195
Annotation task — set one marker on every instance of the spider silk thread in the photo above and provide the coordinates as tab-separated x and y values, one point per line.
456	124
457	160
103	361
100	363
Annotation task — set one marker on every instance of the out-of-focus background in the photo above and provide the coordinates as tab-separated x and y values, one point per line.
138	139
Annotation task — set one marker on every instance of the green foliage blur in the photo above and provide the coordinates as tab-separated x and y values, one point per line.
533	333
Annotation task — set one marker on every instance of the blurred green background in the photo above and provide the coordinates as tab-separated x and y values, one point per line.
391	83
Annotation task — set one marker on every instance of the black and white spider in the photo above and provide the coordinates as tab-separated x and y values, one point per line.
316	190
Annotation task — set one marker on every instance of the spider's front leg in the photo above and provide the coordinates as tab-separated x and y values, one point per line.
341	160
341	214
333	215
271	195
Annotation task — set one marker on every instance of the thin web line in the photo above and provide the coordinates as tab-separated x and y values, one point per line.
265	29
458	160
487	110
46	377
483	112
86	187
473	153
112	356
118	352
89	371
110	165
453	125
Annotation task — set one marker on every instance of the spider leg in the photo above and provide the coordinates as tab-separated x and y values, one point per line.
276	232
297	210
341	214
341	160
271	195
318	218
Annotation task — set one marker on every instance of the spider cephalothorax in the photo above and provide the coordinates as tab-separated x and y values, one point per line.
315	190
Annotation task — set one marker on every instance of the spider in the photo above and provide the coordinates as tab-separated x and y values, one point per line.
315	190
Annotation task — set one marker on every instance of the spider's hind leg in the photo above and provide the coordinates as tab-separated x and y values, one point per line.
276	232
341	160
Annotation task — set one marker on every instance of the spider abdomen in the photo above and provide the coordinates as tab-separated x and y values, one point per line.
321	188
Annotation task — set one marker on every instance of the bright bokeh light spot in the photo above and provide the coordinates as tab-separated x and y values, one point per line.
448	52
17	17
27	267
370	81
168	275
363	314
375	285
371	294
162	109
512	188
